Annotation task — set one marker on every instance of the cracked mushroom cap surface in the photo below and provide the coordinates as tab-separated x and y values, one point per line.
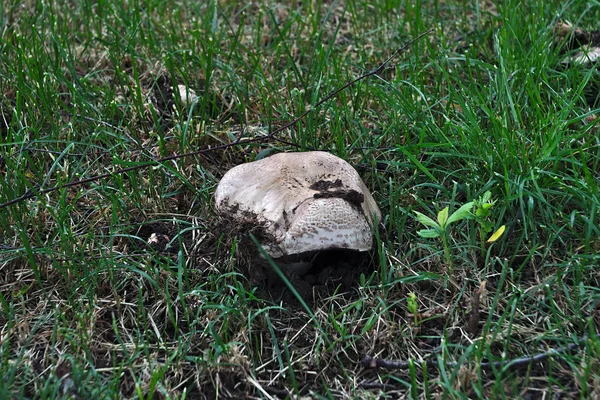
304	202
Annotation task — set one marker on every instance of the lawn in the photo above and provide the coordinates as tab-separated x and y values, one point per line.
101	100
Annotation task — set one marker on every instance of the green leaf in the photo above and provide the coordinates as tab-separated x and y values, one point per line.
425	220
429	233
442	217
461	213
486	196
411	303
487	226
264	153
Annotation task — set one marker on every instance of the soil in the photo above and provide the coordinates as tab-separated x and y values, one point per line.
353	197
332	270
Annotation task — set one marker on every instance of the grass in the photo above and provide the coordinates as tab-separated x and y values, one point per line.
481	104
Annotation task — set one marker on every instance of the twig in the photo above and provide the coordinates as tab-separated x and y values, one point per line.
515	363
373	385
90	119
31	193
473	325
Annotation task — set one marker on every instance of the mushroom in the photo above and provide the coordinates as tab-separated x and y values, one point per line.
302	203
581	49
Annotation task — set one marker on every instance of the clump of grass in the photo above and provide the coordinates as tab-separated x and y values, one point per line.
91	309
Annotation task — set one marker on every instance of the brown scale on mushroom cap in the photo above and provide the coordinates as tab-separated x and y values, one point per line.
304	202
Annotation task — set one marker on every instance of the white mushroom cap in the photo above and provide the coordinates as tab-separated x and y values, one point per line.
304	202
585	56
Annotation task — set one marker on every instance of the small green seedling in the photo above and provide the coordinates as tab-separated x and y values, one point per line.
440	227
482	207
482	212
413	307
